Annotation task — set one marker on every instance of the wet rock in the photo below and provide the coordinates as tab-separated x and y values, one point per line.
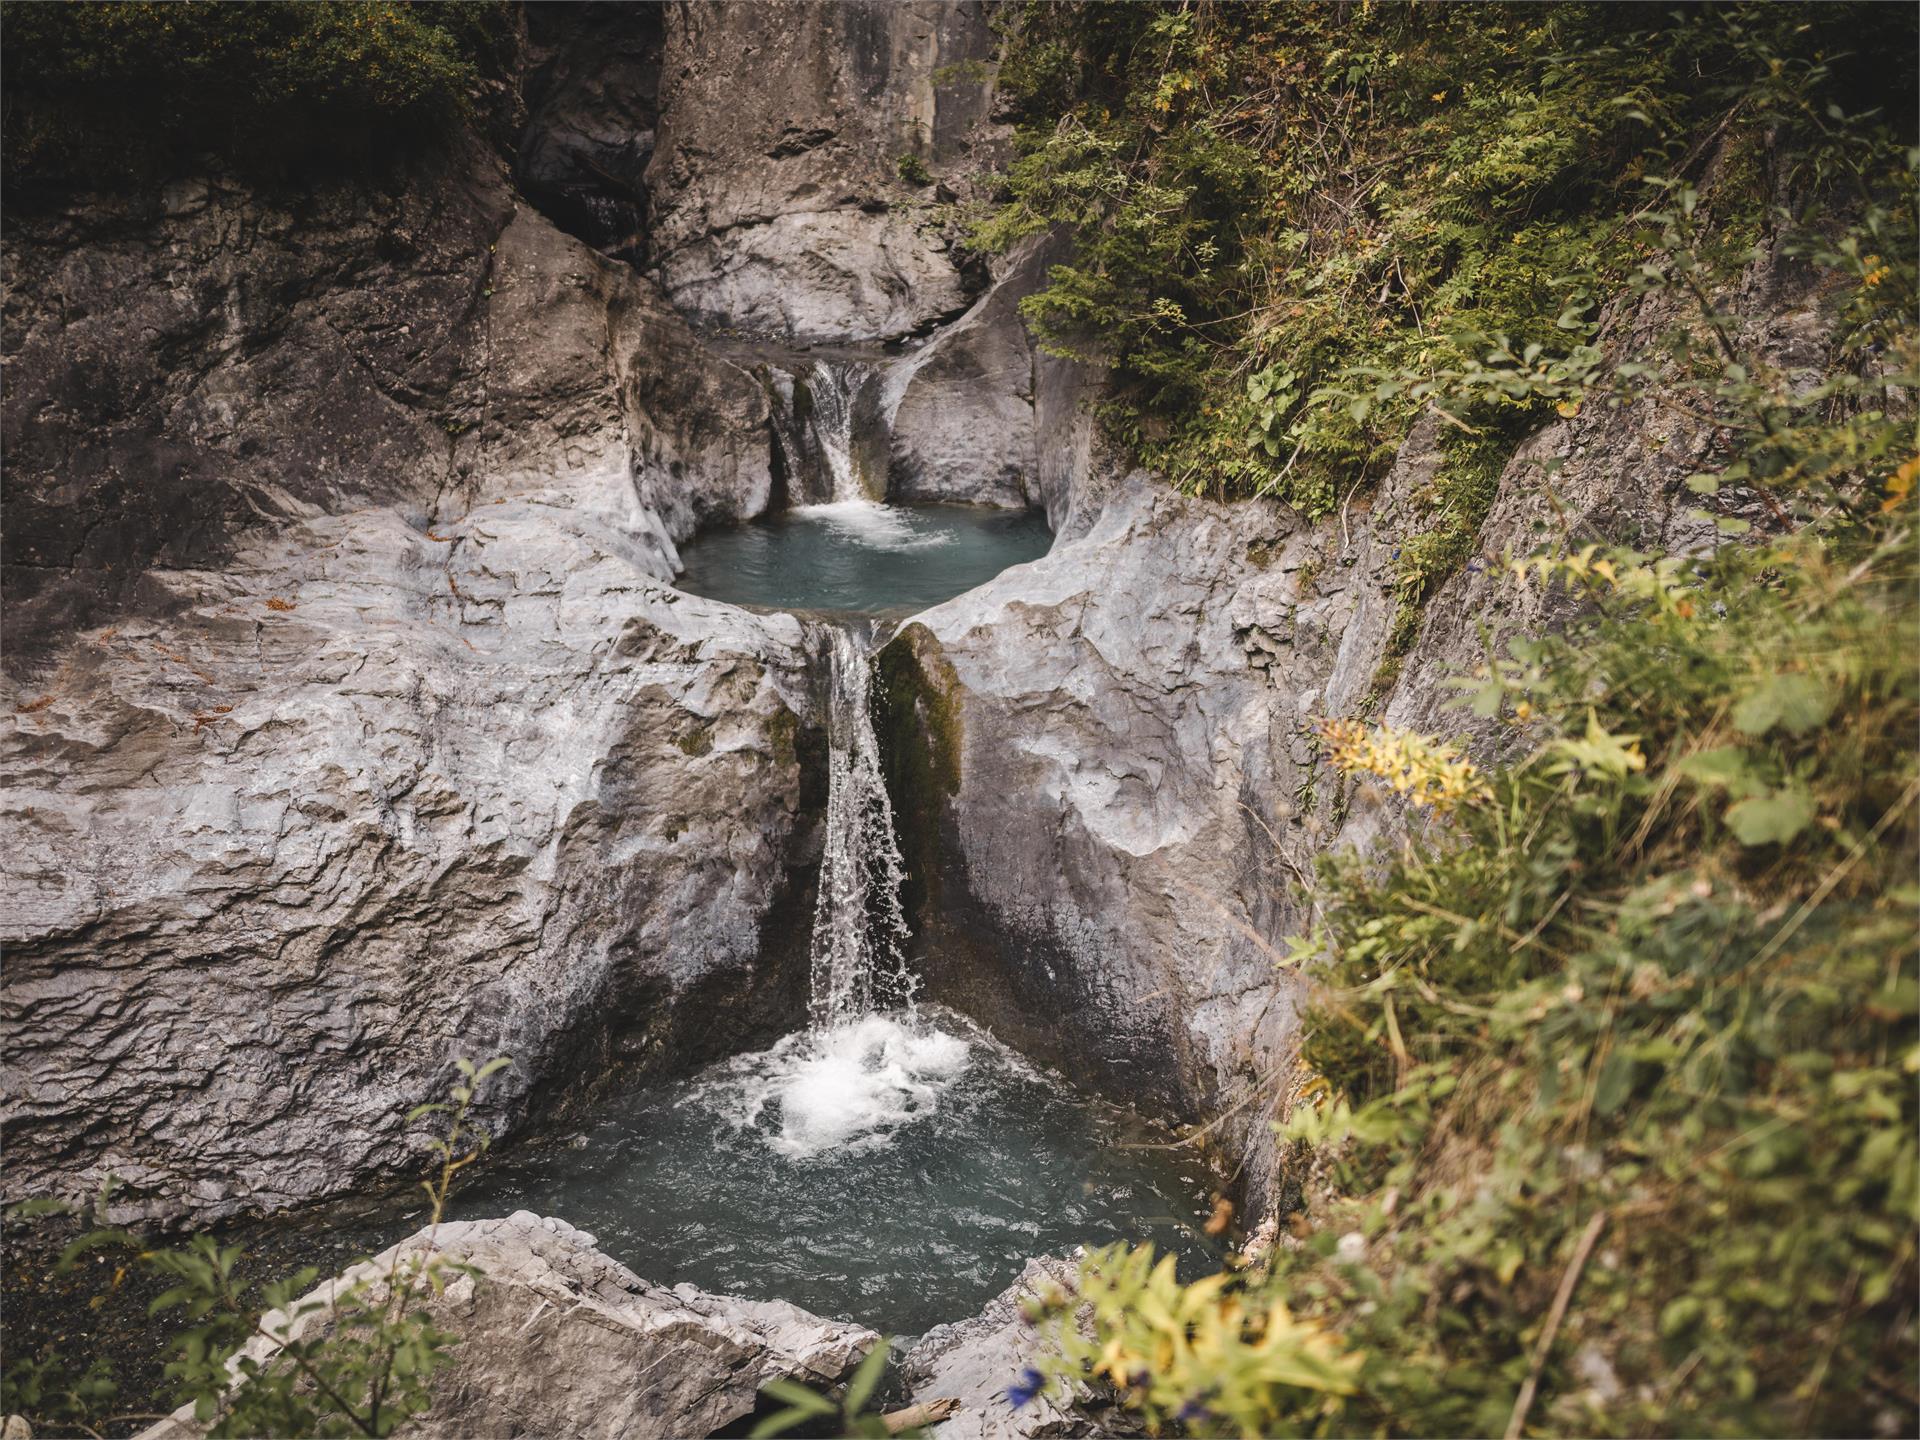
558	1339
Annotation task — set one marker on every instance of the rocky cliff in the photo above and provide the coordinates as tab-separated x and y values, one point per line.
1110	783
355	724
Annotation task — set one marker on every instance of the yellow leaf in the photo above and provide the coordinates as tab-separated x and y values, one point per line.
1901	485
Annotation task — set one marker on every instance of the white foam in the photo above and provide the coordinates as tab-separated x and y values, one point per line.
879	527
843	1089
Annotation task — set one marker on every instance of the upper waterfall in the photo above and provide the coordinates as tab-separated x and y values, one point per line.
829	417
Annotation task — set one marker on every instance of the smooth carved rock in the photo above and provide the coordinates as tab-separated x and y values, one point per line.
962	425
1107	798
377	744
557	1339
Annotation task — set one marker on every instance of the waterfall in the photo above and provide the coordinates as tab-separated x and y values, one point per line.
831	432
859	927
837	387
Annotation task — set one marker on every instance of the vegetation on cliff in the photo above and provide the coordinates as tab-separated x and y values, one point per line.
1609	1091
1288	217
98	93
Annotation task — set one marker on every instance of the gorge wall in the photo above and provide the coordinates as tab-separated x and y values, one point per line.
355	725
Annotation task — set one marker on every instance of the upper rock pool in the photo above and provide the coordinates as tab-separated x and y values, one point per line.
856	557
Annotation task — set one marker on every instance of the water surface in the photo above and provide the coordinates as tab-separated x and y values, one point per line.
891	1171
857	557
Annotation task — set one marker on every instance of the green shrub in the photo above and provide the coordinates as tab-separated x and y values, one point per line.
99	93
1279	207
1614	1067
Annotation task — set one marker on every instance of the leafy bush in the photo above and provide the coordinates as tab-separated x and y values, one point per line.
1615	1069
1279	206
103	92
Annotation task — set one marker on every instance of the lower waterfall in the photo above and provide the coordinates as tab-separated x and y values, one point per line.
868	1063
859	928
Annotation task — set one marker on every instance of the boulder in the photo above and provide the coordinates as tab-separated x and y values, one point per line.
557	1339
975	1361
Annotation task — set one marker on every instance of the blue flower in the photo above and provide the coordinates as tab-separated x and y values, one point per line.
1025	1388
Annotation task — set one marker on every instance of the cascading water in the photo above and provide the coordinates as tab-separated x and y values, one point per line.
859	928
868	1064
837	387
828	422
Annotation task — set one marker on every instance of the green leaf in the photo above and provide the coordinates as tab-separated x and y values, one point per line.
1795	702
866	1377
1773	818
1727	766
1614	1085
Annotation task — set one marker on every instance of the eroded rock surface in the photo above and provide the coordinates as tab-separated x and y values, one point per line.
558	1339
962	424
354	727
779	205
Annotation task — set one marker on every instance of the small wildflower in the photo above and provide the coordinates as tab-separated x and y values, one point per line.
1428	772
1023	1390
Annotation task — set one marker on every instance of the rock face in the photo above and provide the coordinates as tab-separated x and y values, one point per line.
593	99
976	1360
778	198
557	1339
961	418
353	725
1088	769
184	363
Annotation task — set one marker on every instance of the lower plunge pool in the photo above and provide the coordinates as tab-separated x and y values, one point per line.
893	1170
857	557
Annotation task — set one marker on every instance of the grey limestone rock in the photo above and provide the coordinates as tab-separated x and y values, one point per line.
364	731
557	1339
777	200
